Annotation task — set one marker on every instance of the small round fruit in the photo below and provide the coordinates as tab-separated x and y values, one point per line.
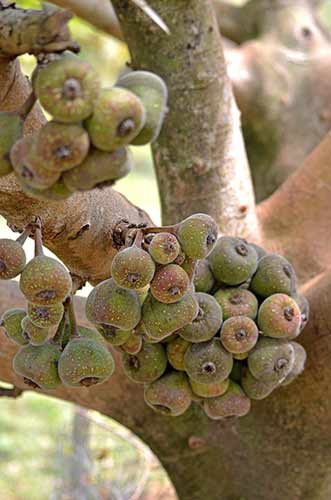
57	192
164	248
233	261
210	390
112	305
35	334
239	334
11	129
208	362
133	345
132	268
45	316
85	362
176	350
279	317
256	388
274	275
114	335
67	88
197	235
161	320
304	308
11	322
300	357
170	284
117	118
170	395
207	322
12	259
204	280
234	403
146	366
237	302
38	365
271	360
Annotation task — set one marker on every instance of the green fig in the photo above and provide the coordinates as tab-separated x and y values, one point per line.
11	322
197	235
209	390
114	335
271	360
204	280
274	275
279	317
11	129
164	248
239	334
45	316
170	395
57	192
257	388
35	334
132	268
146	366
12	259
208	362
304	308
237	302
176	350
132	345
207	322
234	403
300	357
170	284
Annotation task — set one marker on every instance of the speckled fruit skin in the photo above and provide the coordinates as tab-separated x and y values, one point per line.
117	118
12	259
209	390
11	322
98	168
132	345
38	364
208	362
207	322
300	357
61	146
11	129
67	72
161	320
304	308
204	280
114	335
237	302
271	360
45	316
233	261
279	317
153	93
57	192
170	284
256	389
132	268
85	362
35	334
176	350
274	275
45	281
170	395
234	403
239	334
197	235
146	366
112	305
164	248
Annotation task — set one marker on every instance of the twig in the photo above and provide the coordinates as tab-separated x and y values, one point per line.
13	392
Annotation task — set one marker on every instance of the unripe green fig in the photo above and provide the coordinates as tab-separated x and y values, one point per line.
237	302
304	308
12	259
91	333
38	365
207	322
170	284
11	129
234	403
204	280
35	334
67	88
146	366
112	305
97	169
236	370
45	316
164	248
85	362
208	362
161	320
300	357
279	317
271	360
209	390
197	235
256	388
239	334
117	118
45	281
274	275
133	268
170	395
114	335
11	322
240	356
133	344
153	93
233	261
57	192
60	146
176	350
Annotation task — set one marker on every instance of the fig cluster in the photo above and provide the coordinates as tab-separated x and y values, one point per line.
201	318
53	350
85	143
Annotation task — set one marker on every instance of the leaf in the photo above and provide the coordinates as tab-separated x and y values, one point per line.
143	5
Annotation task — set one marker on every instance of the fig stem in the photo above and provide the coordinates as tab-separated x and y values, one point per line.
38	242
27	106
58	337
72	318
165	229
24	236
138	238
